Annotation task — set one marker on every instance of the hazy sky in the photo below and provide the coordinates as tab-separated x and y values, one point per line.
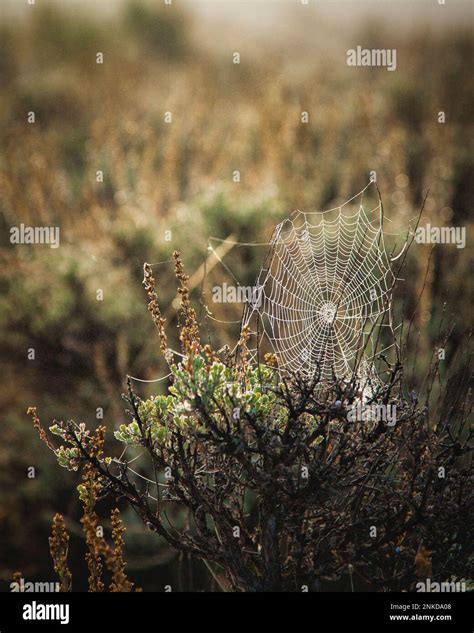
263	12
289	25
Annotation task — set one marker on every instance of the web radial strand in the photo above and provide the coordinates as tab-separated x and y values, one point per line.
326	282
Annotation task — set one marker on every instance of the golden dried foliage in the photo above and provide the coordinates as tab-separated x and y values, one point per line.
58	546
91	487
243	349
37	424
423	562
99	550
210	355
154	309
271	360
189	329
114	556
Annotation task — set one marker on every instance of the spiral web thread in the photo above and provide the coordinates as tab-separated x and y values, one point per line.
324	291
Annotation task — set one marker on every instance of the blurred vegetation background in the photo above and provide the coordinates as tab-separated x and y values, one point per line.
178	177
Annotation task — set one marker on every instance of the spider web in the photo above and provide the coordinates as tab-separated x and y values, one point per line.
323	296
325	290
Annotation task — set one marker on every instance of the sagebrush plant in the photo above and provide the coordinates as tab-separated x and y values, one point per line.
282	492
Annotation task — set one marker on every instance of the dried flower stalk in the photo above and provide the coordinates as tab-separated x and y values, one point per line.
154	309
58	546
